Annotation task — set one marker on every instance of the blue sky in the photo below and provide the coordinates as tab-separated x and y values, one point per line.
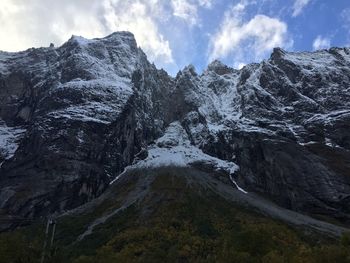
175	33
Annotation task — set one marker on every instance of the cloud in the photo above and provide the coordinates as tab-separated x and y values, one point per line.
24	25
298	7
321	43
134	16
187	10
38	22
345	17
205	3
247	40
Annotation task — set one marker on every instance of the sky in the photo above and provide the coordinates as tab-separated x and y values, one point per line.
176	33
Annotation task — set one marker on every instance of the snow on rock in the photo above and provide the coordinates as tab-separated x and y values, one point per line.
9	138
4	56
329	117
282	95
116	54
81	40
220	97
175	149
319	60
93	77
99	101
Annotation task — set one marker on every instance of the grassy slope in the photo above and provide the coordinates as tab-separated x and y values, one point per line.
175	222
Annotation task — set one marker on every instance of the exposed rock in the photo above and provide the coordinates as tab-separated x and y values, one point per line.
90	116
74	117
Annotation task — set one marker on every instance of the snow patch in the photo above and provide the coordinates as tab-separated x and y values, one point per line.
103	100
9	140
175	149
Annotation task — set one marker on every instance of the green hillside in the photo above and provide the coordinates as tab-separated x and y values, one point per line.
176	220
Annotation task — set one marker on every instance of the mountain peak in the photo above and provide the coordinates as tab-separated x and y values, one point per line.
116	38
125	34
79	40
122	37
277	53
190	69
219	68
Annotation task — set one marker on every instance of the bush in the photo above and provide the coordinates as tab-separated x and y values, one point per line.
345	239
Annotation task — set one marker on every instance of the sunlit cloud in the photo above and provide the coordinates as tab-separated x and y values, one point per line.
41	22
187	10
237	37
175	33
134	16
321	43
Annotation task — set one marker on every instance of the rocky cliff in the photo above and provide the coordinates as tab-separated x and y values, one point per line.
73	118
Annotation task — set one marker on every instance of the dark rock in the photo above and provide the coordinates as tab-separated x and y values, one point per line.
74	117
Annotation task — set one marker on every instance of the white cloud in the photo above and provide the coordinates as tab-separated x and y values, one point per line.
298	6
133	16
25	25
187	10
321	43
247	40
205	3
38	22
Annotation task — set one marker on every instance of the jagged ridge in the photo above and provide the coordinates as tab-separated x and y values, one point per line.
83	112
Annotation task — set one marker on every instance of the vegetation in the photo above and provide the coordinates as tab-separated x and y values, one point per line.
175	223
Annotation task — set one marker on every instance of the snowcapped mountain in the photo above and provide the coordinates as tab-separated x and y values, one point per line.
76	117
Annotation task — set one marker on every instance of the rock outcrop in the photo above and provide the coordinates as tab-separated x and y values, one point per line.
74	117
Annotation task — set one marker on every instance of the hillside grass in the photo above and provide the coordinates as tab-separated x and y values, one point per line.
177	222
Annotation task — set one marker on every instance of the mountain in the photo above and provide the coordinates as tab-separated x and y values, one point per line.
73	118
77	120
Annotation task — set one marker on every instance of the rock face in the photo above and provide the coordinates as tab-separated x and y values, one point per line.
87	108
74	117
